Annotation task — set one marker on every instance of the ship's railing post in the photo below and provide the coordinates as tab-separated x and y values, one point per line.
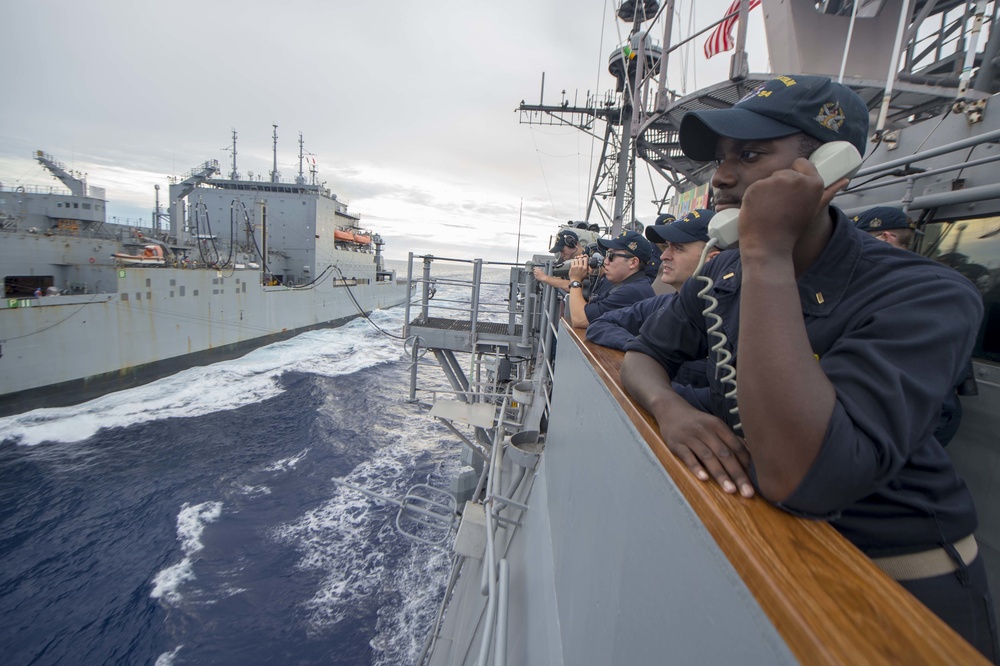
515	289
477	278
549	328
426	289
529	317
409	294
414	360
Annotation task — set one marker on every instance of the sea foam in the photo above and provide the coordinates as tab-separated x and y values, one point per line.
217	387
191	522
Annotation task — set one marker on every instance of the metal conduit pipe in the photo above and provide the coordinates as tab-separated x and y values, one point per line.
970	51
922	174
893	66
492	486
500	649
931	152
939	200
432	638
987	69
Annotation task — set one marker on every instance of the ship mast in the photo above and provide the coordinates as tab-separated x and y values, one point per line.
235	174
630	64
300	179
275	176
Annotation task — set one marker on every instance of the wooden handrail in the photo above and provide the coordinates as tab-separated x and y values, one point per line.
826	599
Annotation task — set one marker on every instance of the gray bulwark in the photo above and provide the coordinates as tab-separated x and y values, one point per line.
611	564
653	587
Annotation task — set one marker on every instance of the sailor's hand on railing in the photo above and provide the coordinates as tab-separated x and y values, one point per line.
540	275
706	445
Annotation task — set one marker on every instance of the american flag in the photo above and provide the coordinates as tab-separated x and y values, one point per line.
721	38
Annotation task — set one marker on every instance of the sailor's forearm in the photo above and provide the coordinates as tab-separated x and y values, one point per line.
577	308
649	384
785	398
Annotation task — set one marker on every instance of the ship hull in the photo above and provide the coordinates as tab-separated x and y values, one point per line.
63	350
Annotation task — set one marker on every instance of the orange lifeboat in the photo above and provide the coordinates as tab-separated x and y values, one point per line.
152	255
362	240
341	235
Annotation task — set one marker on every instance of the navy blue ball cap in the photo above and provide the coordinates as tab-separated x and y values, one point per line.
880	218
629	241
690	228
813	105
565	238
666	218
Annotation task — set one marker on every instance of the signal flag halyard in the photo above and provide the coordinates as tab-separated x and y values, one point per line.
721	38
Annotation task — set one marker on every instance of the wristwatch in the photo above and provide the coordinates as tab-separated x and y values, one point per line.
575	283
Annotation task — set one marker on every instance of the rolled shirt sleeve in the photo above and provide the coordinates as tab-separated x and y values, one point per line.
633	290
616	328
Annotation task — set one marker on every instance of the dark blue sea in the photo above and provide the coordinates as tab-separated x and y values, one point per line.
194	521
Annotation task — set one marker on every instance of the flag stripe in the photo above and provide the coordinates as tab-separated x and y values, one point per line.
721	38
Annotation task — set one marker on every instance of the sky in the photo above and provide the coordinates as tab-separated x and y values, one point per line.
408	107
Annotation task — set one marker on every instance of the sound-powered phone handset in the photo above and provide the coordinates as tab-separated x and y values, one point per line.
833	161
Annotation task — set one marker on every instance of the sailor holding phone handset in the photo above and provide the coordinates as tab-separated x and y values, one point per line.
841	348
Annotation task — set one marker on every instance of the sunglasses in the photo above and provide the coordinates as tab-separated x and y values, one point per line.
610	256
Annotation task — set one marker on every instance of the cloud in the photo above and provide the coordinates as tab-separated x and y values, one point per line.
408	108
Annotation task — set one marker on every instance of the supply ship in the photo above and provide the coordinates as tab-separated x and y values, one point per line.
92	306
581	538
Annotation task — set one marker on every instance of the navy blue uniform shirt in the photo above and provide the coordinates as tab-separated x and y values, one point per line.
631	290
893	332
615	329
618	327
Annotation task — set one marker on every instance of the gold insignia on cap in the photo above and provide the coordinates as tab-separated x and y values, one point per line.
633	245
753	93
787	80
875	223
831	116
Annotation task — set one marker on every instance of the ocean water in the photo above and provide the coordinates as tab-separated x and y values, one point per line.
194	521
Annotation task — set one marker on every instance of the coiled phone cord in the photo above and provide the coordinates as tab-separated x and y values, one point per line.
723	362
